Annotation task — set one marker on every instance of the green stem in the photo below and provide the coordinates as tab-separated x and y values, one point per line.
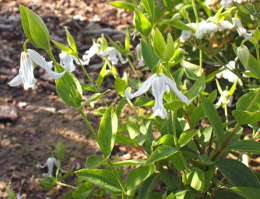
226	114
118	179
66	185
133	68
86	73
24	46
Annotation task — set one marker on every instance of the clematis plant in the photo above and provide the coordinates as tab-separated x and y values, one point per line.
159	83
26	76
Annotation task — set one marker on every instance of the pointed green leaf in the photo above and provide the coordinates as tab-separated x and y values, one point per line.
249	101
135	162
143	101
169	49
247	192
60	150
101	76
159	43
71	41
102	178
95	97
69	89
197	88
160	153
120	107
94	162
141	23
84	191
254	65
227	193
127	41
213	117
249	146
62	47
132	127
39	32
123	5
149	7
107	131
237	173
120	85
179	25
47	182
245	117
149	54
196	178
137	176
186	136
148	186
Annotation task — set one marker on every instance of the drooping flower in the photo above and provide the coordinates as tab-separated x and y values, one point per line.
159	85
205	28
66	60
51	161
26	75
225	25
227	74
186	35
240	29
140	55
226	3
91	52
225	98
113	55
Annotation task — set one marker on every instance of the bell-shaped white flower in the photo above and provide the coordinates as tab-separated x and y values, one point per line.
205	28
66	60
91	52
26	75
159	85
113	55
51	161
227	74
186	35
240	29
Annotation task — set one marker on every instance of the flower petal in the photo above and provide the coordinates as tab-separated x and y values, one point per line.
174	88
17	81
66	61
158	88
144	88
26	71
39	60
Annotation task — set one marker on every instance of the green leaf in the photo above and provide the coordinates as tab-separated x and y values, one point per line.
213	117
69	89
123	139
102	178
174	106
107	131
149	7
47	182
62	47
197	88
167	139
169	48
245	117
60	150
212	75
132	127
135	162
247	192
160	153
254	65
226	193
71	41
137	176
249	101
101	76
249	146
120	107
127	41
159	43
141	23
94	162
39	32
237	173
10	193
148	186
95	97
123	5
120	86
196	178
149	54
84	191
169	178
143	101
179	25
87	87
192	70
186	136
25	23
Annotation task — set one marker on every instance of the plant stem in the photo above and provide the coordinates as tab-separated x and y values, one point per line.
133	68
224	145
66	185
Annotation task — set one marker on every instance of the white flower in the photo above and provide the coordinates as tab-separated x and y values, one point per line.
227	74
140	55
51	161
18	196
205	28
186	35
66	60
91	52
26	75
225	98
240	29
112	55
245	159
159	86
224	24
226	3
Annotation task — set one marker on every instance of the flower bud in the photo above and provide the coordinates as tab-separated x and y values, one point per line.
243	55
